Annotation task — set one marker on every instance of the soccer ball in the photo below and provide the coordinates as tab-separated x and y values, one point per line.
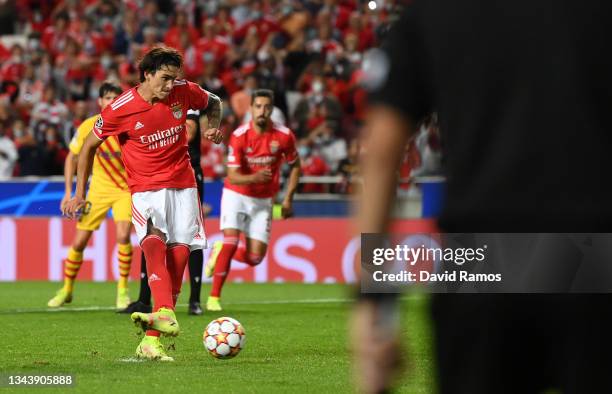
224	337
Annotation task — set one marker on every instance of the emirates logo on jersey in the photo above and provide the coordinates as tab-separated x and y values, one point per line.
177	111
274	145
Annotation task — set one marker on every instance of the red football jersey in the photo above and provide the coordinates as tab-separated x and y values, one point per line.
152	137
251	152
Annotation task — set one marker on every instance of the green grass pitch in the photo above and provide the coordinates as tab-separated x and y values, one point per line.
297	341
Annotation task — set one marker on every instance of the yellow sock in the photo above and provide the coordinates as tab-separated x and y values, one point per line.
124	255
72	265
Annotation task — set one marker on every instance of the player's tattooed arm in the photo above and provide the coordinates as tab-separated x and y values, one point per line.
214	111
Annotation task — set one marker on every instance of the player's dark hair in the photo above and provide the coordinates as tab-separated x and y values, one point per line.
262	93
158	57
109	87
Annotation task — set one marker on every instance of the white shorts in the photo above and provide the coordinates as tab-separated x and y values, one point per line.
175	212
248	214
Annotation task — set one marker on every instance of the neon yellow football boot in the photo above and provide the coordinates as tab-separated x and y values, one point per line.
213	304
150	348
209	268
123	298
62	297
164	321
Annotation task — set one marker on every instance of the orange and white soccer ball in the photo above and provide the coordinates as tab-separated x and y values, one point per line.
224	337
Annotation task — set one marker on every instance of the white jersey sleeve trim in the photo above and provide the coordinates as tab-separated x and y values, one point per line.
241	130
282	128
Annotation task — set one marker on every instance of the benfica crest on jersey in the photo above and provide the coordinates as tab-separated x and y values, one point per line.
274	146
177	111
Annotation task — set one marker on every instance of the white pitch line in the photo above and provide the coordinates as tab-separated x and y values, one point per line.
111	308
132	360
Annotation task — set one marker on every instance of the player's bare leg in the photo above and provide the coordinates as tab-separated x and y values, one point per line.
162	320
219	264
124	247
72	265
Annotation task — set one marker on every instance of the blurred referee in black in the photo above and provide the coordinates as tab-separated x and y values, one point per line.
523	90
196	258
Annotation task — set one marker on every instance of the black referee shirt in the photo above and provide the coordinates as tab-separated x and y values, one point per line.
524	95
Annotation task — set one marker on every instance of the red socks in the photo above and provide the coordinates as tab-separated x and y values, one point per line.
160	281
223	264
177	257
251	259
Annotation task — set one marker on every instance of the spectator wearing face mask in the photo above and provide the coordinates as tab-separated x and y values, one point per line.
331	148
317	105
312	165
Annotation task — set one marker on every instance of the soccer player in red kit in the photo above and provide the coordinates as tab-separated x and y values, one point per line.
149	121
256	152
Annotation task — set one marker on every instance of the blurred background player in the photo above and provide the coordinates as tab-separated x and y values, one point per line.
256	152
143	304
150	120
514	97
108	189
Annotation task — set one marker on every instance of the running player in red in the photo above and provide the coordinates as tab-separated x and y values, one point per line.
256	152
149	121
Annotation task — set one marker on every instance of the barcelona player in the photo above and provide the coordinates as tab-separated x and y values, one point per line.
108	189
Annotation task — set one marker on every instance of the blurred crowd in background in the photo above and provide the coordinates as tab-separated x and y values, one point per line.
55	54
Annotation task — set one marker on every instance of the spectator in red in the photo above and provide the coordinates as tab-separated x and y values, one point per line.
107	19
224	22
316	106
92	42
212	159
193	58
4	53
13	69
211	44
181	23
339	11
410	161
312	165
362	30
73	70
54	37
262	25
324	42
50	109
